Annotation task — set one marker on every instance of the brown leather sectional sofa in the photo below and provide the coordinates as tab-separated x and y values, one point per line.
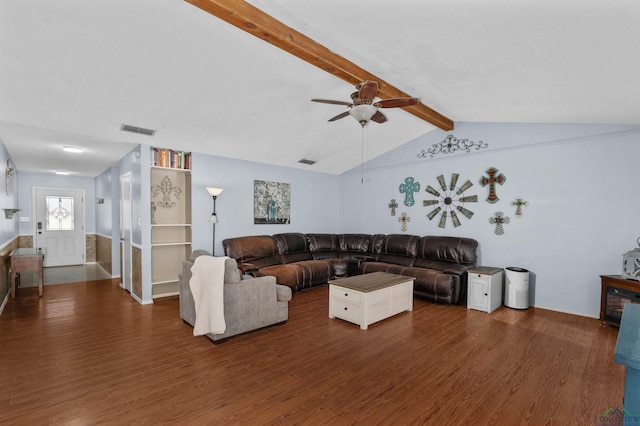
301	261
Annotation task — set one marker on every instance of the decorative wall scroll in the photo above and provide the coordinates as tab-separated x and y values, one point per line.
404	219
491	181
153	212
449	200
519	203
408	188
499	219
451	144
9	172
271	202
393	206
166	188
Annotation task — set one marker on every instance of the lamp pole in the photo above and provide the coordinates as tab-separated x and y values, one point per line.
214	220
214	217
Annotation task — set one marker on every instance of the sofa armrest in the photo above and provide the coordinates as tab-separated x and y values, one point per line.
283	292
456	269
247	268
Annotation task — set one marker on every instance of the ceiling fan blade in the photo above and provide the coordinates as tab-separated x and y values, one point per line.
396	102
379	117
368	91
329	101
339	116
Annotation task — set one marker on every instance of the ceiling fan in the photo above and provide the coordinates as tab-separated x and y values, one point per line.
362	107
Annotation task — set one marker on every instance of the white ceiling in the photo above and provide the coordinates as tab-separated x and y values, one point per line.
72	71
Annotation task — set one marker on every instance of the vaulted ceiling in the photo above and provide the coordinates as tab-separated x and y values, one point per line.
72	72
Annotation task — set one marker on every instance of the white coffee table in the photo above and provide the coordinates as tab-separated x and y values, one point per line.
368	298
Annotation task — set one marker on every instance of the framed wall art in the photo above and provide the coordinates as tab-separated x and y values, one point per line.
271	202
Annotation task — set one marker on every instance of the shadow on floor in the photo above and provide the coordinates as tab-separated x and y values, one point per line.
65	274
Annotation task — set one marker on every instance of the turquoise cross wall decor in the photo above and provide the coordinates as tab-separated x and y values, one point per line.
408	188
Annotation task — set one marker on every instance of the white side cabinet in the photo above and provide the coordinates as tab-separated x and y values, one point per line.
484	288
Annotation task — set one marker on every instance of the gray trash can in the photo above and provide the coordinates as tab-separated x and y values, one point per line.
516	288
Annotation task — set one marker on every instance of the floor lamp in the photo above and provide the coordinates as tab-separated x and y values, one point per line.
214	217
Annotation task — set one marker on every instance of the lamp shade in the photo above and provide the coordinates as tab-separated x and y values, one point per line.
215	191
213	218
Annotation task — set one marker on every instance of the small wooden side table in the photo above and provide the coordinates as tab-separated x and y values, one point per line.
26	259
616	292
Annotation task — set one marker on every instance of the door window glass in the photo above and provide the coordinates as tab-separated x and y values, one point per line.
59	213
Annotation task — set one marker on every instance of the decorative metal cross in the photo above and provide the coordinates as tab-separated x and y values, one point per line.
408	188
499	219
404	219
519	203
491	181
166	188
393	206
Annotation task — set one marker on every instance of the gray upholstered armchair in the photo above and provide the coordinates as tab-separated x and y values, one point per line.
249	303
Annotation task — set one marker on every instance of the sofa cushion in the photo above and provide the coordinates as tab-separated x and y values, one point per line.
289	275
293	247
368	267
399	249
447	249
323	246
435	285
259	250
354	242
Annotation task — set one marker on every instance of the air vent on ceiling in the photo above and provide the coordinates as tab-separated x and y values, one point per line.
136	129
305	161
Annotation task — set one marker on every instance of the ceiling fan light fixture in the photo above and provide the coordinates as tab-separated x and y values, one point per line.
362	113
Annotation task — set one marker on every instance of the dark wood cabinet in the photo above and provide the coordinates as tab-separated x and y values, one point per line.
616	291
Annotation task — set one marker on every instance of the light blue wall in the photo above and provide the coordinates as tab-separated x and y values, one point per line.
580	182
314	199
8	227
29	180
108	213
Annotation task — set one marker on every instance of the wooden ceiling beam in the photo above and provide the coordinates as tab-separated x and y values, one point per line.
254	21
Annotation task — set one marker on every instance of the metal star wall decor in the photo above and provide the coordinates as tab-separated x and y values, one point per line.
449	200
499	219
166	188
451	144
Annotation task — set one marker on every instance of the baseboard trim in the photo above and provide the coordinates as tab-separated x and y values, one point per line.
564	311
140	301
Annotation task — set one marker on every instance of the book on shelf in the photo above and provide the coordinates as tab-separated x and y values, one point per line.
170	158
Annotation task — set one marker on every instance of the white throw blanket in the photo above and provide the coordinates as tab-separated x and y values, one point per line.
207	284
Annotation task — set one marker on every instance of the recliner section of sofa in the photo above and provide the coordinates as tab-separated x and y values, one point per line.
306	260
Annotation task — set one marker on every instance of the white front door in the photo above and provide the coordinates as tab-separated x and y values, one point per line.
59	225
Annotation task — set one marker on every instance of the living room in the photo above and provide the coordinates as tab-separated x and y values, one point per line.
577	179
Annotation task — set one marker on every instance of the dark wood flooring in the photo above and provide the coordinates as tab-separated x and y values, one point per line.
87	353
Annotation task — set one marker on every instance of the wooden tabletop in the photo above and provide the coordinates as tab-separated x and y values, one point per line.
371	282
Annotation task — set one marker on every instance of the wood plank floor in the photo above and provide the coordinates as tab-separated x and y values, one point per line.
87	353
